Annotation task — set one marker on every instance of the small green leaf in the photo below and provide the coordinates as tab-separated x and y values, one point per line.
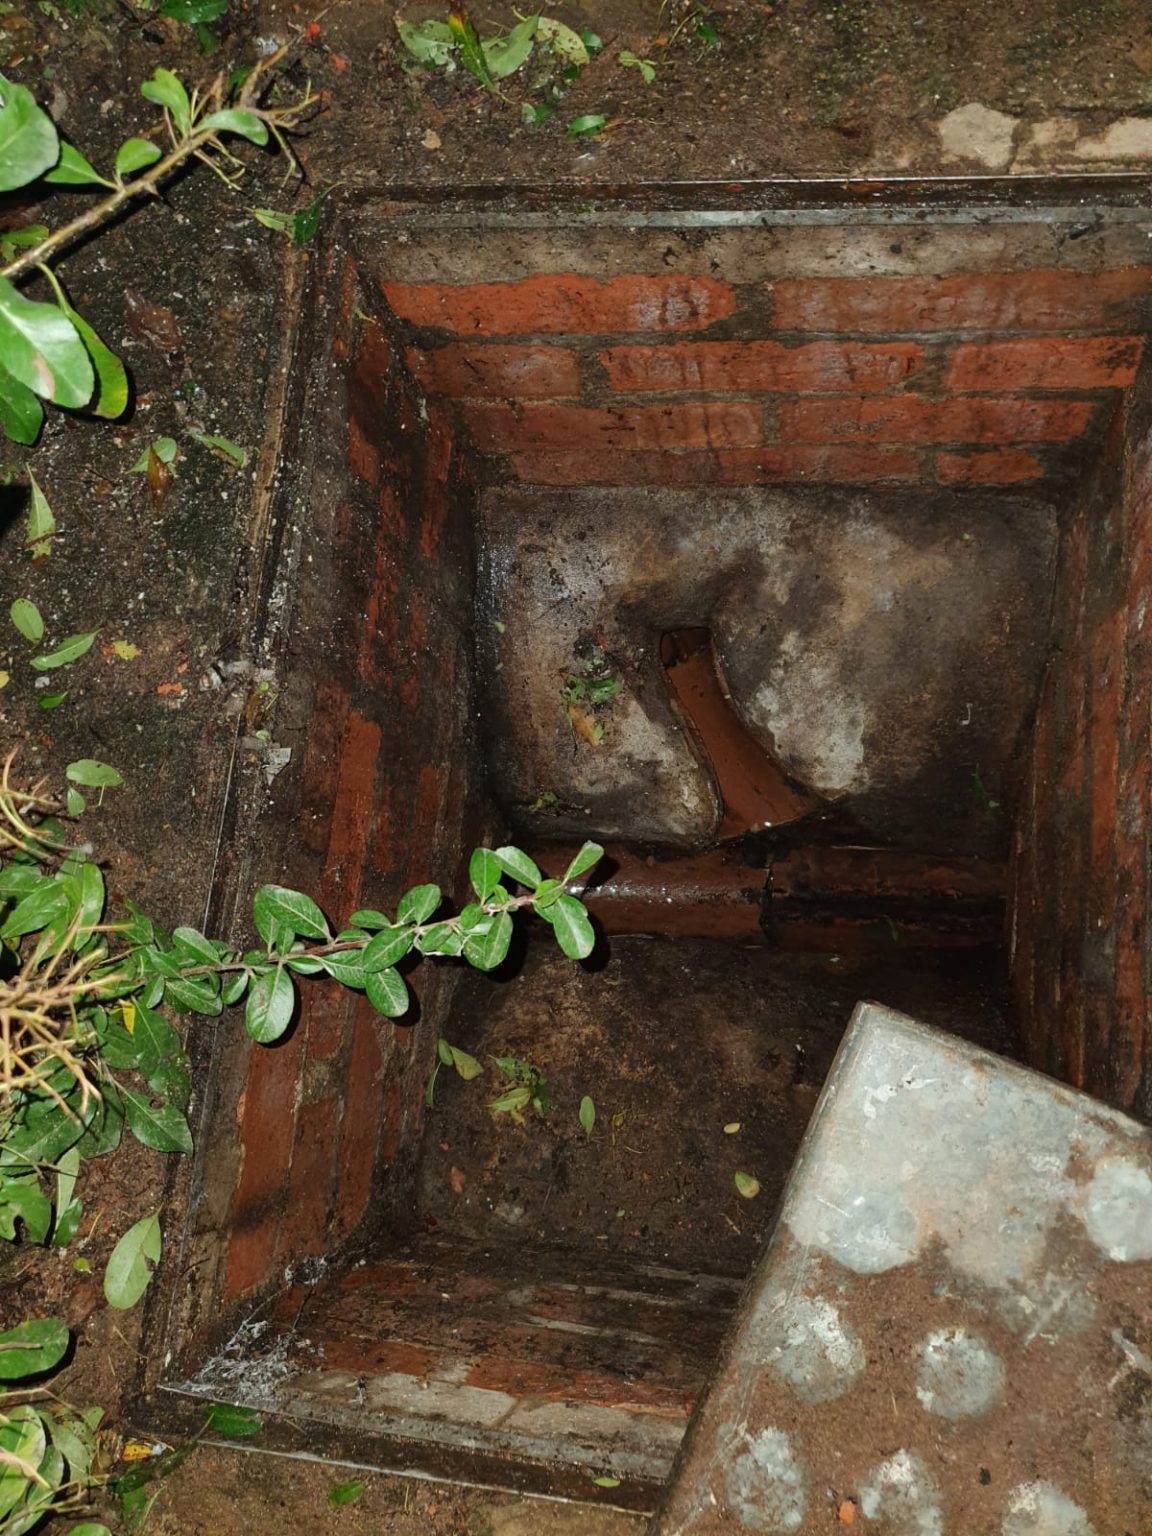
276	903
28	142
191	942
75	804
90	1528
367	917
587	858
545	894
32	1348
444	1051
42	349
346	1493
606	1482
134	154
511	1102
234	988
167	91
91	774
387	992
418	905
235	120
21	414
485	951
467	1066
732	1127
159	1126
483	872
130	1265
347	970
385	948
232	1422
193	13
631	60
430	43
72	170
590	124
271	1002
194	994
441	939
515	862
282	223
67	652
574	933
163	448
13	240
41	524
591	40
563	41
707	33
746	1185
587	1115
222	447
505	55
26	617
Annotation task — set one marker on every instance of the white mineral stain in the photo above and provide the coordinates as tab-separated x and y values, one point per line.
959	1375
901	1492
1118	1210
869	1233
807	1344
1040	1509
765	1484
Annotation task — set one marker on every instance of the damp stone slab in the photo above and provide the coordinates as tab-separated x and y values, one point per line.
950	1330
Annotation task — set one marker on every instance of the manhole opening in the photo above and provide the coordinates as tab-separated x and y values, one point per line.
797	566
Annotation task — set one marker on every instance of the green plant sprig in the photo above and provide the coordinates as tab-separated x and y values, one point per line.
194	124
188	971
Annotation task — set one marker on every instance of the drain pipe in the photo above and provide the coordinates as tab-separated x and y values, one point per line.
814	897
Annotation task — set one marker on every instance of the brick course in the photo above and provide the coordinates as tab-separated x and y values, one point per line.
562	303
985	301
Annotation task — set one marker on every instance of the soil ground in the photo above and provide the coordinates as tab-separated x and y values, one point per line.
187	289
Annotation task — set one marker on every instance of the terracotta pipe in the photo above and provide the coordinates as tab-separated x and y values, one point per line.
709	895
755	789
811	898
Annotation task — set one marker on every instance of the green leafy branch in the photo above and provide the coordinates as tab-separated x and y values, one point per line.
48	352
84	1050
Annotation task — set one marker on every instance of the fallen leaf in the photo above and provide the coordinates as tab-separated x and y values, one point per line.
431	139
732	1127
166	689
587	727
159	476
339	62
747	1185
5	679
847	1512
124	649
152	322
457	1181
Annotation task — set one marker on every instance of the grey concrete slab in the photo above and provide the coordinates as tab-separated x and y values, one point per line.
950	1330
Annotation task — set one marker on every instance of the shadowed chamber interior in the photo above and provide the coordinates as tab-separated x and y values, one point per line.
803	566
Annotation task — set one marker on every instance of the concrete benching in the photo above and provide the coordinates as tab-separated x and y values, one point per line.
895	464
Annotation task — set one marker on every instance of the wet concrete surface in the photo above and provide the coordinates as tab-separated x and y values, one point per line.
884	649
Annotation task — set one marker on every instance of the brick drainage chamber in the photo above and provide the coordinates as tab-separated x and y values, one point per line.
843	495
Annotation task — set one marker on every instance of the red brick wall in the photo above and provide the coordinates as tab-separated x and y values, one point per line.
1081	958
989	378
375	800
